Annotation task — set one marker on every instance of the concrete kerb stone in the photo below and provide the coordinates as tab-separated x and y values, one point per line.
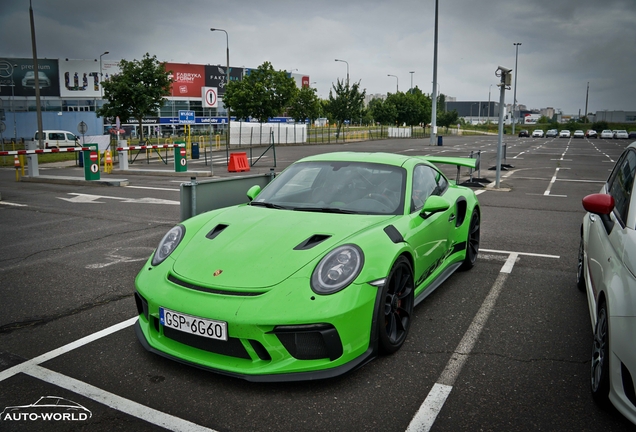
68	180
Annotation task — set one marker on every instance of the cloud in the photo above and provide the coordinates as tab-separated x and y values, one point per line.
565	45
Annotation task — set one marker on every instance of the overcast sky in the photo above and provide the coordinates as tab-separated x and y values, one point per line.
565	43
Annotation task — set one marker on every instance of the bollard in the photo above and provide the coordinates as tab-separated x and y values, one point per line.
123	159
16	164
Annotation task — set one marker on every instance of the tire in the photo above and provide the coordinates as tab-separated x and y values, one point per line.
580	276
396	308
472	241
600	375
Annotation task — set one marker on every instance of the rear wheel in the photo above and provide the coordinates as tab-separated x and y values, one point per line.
395	314
472	241
600	359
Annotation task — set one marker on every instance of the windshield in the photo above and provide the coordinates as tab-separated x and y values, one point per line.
337	187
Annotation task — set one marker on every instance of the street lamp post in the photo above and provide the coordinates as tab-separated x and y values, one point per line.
397	83
489	88
412	72
227	81
344	61
471	111
514	97
101	75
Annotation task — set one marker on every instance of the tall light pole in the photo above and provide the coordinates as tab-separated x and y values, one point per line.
397	83
434	95
412	72
101	75
227	81
38	106
344	61
514	97
587	93
489	89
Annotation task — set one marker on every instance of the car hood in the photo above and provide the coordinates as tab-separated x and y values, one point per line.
247	247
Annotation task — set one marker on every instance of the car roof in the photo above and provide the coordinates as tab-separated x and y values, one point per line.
381	158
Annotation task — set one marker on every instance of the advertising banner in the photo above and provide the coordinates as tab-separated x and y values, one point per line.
17	77
83	78
187	79
215	76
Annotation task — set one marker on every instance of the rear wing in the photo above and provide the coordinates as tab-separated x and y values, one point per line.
448	160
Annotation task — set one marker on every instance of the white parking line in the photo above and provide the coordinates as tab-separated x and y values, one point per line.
425	417
554	179
111	400
32	367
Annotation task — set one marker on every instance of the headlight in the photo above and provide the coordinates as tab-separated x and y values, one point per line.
168	243
337	269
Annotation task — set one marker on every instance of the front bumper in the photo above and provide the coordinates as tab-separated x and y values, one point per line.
286	334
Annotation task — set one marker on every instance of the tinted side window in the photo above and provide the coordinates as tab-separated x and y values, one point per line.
621	183
56	136
424	185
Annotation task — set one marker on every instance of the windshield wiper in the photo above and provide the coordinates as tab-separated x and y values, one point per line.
268	205
325	210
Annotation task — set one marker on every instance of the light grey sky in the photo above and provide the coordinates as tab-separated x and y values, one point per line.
565	43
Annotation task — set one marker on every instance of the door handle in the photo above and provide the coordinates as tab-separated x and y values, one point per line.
451	218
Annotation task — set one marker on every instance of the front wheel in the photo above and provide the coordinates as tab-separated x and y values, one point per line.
580	276
396	310
472	241
600	384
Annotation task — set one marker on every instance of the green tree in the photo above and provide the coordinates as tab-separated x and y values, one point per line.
347	104
305	105
137	91
600	126
447	118
410	109
262	94
383	112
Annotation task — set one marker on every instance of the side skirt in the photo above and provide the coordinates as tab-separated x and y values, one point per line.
437	282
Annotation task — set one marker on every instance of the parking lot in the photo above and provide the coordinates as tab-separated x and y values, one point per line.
504	346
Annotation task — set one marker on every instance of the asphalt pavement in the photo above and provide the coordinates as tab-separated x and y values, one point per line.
502	347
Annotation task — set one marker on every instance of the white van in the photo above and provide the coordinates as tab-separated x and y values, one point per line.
57	138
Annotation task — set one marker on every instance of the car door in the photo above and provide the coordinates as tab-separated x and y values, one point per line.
429	236
607	241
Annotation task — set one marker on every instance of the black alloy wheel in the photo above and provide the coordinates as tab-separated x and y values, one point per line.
396	310
472	242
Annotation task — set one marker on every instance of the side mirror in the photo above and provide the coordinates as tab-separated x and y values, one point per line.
253	192
601	205
434	204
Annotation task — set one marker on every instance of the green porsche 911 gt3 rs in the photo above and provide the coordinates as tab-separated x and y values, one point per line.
313	277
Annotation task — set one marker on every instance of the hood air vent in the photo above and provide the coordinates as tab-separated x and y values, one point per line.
216	231
312	241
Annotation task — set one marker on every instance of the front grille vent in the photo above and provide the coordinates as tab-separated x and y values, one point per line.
172	278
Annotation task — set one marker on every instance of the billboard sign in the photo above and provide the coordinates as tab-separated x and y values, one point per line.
216	76
187	79
17	77
82	78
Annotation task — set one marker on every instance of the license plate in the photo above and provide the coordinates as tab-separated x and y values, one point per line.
193	325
